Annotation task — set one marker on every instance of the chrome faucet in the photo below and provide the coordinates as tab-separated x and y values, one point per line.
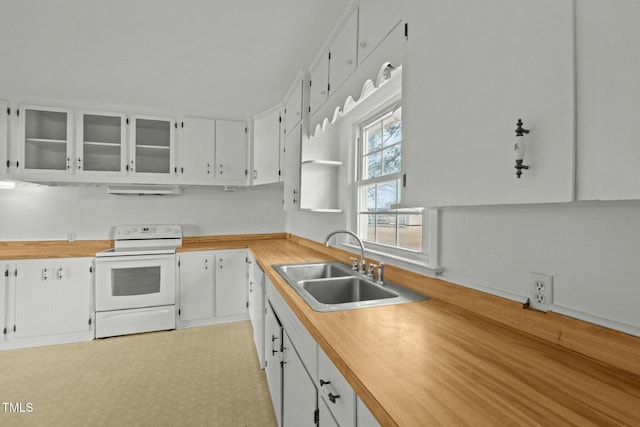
363	262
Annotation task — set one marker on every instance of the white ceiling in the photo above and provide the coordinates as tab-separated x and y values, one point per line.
227	58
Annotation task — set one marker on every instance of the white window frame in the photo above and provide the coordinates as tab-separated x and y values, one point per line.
375	103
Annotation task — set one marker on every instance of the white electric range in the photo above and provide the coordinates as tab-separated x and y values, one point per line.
135	287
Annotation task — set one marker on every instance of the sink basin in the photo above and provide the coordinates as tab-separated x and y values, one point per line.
333	286
316	270
345	289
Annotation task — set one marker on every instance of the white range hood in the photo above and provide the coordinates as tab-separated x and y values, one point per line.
145	190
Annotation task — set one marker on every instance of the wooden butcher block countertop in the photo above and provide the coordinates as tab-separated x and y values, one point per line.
460	358
434	363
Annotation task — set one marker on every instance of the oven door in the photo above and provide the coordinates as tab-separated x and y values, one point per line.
136	281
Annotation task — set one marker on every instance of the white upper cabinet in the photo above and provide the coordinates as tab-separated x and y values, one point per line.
319	84
267	132
293	104
376	19
46	140
101	143
231	152
344	52
152	145
608	108
196	154
471	70
4	138
292	150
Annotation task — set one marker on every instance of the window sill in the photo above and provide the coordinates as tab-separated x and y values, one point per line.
418	263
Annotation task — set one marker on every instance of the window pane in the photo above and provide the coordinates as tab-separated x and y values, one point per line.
392	132
368	227
410	231
386	229
387	195
373	136
391	160
369	197
373	165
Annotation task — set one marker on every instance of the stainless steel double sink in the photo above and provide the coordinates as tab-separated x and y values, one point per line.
333	286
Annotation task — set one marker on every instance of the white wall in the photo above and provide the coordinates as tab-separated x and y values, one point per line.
42	213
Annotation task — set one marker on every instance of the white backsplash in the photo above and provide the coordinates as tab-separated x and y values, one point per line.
32	212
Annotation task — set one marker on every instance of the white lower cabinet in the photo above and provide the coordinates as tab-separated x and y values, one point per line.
324	415
196	275
336	391
3	304
212	287
256	305
306	387
364	417
272	361
299	397
231	283
47	302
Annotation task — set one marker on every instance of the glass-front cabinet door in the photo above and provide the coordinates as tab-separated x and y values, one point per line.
152	145
46	137
101	143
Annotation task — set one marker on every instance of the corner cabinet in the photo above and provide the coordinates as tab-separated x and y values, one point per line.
267	136
469	74
48	301
45	140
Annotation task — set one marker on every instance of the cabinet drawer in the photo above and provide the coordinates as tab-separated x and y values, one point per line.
336	391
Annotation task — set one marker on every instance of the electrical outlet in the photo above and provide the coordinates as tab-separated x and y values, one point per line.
540	291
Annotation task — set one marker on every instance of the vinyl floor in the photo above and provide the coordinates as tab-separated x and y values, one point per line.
205	376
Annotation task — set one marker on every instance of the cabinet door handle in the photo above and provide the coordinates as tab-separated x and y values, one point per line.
68	163
221	168
206	264
333	397
208	168
255	174
273	344
132	166
60	273
79	163
323	382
